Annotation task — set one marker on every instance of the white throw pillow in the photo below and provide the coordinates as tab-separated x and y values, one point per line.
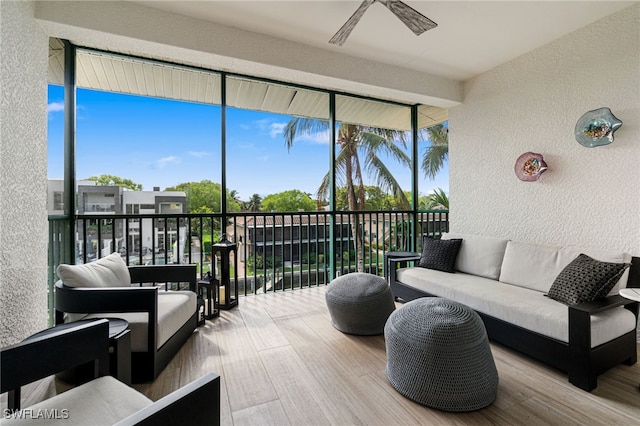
479	255
109	271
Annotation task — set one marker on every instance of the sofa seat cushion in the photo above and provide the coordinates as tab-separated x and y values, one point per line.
103	401
523	307
478	255
174	310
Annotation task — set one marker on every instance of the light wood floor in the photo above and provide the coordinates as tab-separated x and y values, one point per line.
282	363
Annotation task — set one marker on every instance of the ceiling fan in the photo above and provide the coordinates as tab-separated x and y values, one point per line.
417	22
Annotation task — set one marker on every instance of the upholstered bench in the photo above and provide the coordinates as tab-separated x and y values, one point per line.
438	355
359	303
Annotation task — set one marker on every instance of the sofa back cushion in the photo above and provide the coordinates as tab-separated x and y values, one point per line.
536	266
532	266
109	271
479	255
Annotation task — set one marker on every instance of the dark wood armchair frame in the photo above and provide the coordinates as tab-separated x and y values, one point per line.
145	366
577	358
23	363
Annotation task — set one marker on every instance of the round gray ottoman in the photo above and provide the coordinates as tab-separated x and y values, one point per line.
438	355
359	303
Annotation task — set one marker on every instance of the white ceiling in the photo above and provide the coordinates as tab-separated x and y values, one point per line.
471	38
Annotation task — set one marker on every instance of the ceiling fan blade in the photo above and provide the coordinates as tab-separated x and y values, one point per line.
416	21
341	36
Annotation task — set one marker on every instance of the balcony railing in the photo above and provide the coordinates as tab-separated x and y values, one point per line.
276	251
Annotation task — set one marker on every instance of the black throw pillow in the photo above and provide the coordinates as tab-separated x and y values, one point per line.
439	254
585	280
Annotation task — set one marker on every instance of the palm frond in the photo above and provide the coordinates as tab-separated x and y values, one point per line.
302	126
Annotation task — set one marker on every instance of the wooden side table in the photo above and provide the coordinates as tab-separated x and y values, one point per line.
119	351
396	255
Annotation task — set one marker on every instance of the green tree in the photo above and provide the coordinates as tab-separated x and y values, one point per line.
360	147
375	199
205	197
110	180
288	201
437	153
438	199
254	204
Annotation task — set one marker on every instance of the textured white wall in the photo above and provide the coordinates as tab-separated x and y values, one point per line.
589	196
23	173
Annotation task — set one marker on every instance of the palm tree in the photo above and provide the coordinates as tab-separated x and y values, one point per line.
254	204
234	196
437	153
360	147
439	198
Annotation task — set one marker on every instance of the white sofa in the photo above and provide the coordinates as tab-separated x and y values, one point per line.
506	282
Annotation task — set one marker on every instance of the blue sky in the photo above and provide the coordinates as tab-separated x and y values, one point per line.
162	143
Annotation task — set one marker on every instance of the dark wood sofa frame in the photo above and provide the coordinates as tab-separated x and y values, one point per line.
23	363
582	363
145	366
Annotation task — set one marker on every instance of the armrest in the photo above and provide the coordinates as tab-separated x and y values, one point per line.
87	300
24	363
196	403
399	261
580	320
165	274
602	305
105	299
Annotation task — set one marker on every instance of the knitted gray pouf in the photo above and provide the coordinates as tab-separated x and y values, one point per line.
438	355
359	303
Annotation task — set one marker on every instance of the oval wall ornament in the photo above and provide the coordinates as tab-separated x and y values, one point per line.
596	128
529	166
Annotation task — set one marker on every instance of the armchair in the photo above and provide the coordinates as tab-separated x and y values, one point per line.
160	321
104	400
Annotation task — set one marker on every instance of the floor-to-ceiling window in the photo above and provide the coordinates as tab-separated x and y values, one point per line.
233	154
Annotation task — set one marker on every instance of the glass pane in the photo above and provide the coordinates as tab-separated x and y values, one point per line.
433	160
55	151
373	154
261	160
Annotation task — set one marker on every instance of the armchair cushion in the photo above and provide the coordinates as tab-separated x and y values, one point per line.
174	310
109	271
102	401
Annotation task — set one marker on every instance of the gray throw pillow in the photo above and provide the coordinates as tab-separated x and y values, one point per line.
439	254
585	280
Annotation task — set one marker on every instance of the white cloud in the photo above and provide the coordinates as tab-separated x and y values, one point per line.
167	160
277	129
264	158
321	138
55	106
273	128
199	154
